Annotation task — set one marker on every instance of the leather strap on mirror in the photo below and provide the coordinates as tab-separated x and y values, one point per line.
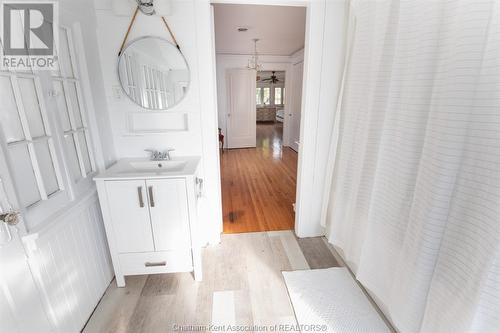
130	28
128	31
171	34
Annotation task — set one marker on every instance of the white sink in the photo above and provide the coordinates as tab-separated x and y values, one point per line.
130	168
156	166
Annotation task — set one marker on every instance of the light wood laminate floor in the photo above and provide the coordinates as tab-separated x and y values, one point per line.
258	184
242	285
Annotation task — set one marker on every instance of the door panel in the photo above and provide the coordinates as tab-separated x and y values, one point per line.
128	205
19	294
169	214
296	106
241	117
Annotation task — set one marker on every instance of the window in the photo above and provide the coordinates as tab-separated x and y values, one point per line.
258	93
266	95
29	138
41	144
278	98
270	95
70	107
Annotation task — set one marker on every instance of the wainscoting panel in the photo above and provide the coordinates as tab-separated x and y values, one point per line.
156	122
71	264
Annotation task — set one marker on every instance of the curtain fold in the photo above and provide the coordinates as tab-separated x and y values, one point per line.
415	200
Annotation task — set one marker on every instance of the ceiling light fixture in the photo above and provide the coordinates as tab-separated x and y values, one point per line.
253	63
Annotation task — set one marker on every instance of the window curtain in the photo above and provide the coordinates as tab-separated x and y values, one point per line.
414	205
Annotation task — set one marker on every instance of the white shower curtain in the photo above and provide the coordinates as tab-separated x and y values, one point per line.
415	201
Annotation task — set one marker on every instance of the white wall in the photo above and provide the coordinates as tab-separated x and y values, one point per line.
128	142
135	129
323	67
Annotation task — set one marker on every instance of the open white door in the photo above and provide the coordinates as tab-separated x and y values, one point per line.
295	109
241	117
21	307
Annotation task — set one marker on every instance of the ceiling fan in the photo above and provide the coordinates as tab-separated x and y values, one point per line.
273	79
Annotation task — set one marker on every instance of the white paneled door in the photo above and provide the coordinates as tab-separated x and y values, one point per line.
296	107
21	308
241	117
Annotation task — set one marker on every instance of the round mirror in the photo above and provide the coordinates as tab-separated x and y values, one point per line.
153	73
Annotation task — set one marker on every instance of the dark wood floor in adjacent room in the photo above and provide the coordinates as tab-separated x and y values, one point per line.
258	184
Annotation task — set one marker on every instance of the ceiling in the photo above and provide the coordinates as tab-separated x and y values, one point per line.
280	29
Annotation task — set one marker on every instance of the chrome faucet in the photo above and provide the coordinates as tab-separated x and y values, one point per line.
157	155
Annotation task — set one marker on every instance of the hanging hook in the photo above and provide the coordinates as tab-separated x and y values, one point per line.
146	7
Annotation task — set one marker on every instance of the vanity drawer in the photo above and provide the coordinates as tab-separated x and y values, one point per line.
156	262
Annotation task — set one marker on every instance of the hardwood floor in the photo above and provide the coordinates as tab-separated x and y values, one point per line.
242	285
258	184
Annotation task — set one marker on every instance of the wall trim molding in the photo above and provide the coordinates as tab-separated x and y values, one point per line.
147	123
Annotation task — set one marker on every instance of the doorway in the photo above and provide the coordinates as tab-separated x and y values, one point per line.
256	49
270	107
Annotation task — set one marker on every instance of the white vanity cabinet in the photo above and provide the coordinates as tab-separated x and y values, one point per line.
150	218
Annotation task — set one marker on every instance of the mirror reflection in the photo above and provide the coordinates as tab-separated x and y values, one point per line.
153	73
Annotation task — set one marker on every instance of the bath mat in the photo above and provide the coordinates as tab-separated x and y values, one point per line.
331	297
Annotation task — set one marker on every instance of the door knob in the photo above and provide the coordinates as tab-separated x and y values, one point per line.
11	218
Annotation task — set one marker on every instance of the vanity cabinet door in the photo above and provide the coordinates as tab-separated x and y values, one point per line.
128	205
168	206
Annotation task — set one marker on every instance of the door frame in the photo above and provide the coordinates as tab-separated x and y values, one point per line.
319	98
288	127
